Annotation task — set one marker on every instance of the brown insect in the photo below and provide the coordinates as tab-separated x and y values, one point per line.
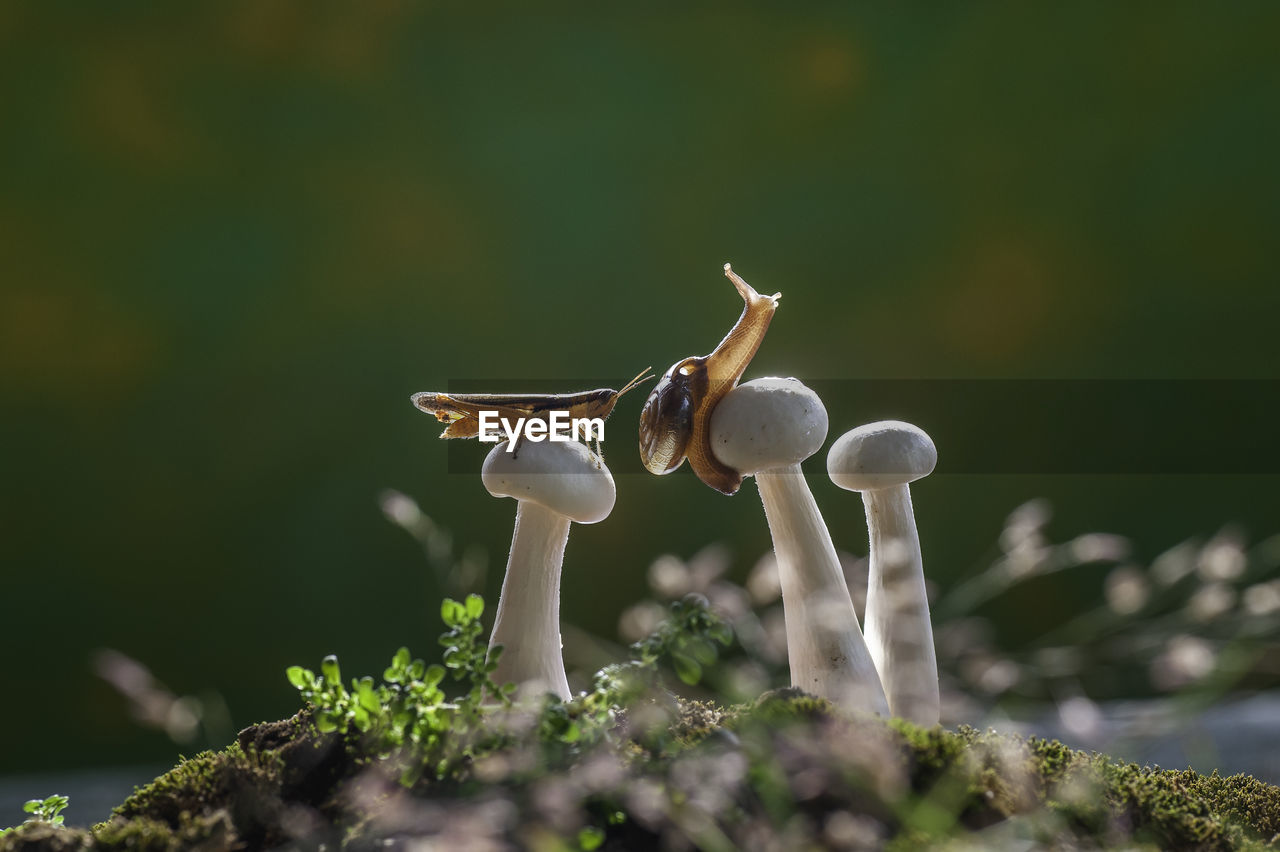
676	421
462	411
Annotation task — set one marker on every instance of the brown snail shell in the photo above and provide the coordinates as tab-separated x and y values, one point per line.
666	423
675	422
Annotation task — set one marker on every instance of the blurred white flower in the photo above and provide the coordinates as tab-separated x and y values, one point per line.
990	674
1000	676
763	582
1211	601
1081	718
400	509
1099	547
1262	599
1186	660
669	577
151	703
730	601
708	565
774	648
1126	589
844	830
1223	558
638	621
1024	522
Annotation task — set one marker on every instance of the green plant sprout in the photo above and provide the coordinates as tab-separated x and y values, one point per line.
408	720
408	711
44	810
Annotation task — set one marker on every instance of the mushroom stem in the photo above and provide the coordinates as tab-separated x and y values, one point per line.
527	624
825	648
899	634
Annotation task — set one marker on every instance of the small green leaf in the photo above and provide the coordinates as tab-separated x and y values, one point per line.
329	667
32	805
702	651
475	606
453	613
722	633
326	723
360	717
298	676
434	674
368	699
687	668
590	838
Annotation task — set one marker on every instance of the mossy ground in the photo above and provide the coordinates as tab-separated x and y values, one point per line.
786	772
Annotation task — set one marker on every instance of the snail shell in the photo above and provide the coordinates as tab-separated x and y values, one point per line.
666	423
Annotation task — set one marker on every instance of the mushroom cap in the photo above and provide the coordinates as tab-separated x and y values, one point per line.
767	423
564	476
881	455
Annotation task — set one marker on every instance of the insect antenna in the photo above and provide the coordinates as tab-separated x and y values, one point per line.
641	378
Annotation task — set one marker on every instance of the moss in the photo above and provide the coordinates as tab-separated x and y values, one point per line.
969	780
805	761
930	751
190	786
210	831
45	837
1241	799
697	721
784	706
241	796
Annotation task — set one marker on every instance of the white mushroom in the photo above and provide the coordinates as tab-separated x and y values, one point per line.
767	427
880	459
555	482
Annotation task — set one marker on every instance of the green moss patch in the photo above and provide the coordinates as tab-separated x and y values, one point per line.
787	769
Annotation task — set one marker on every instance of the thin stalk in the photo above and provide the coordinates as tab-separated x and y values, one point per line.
825	648
527	624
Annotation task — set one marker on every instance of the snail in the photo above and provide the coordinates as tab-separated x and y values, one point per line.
675	422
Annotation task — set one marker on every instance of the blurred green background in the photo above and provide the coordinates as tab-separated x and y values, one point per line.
234	237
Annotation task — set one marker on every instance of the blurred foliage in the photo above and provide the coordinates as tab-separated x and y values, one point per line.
1200	622
235	237
633	764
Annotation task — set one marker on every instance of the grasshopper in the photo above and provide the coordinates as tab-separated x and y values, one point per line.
461	412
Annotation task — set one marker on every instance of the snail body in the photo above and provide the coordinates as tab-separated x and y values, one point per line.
675	422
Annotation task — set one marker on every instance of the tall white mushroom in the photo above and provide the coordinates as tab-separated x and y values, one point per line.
767	427
554	483
879	460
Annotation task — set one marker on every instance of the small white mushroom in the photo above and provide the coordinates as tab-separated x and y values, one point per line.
555	483
767	427
880	459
